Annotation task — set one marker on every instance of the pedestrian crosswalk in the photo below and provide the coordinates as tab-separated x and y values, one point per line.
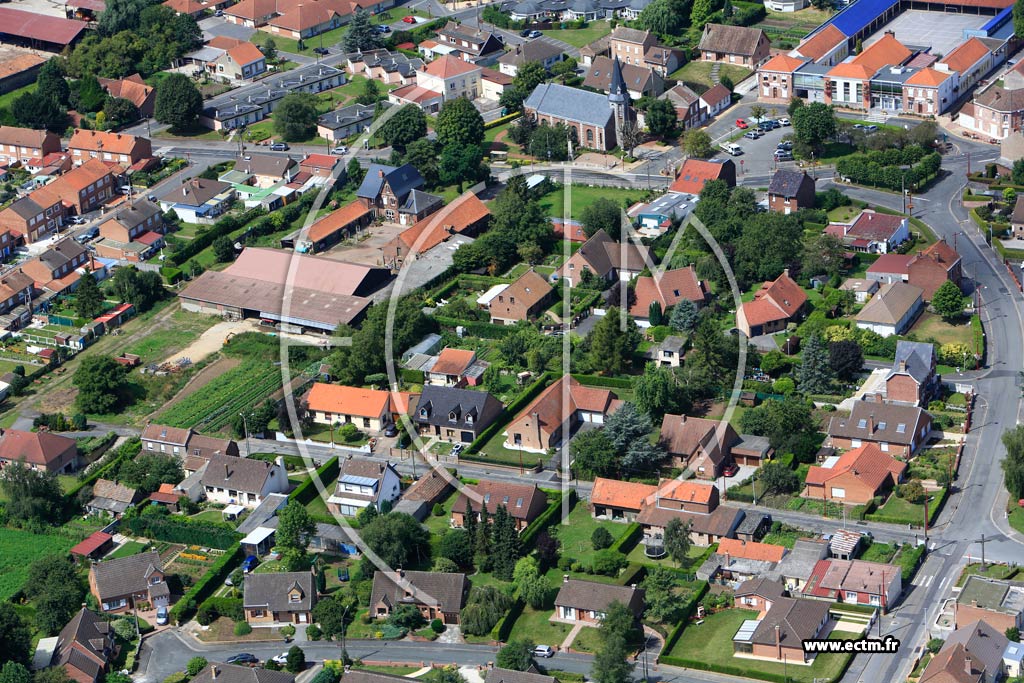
922	580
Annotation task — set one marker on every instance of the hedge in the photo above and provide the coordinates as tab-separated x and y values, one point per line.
633	574
175	529
306	492
601	381
205	238
503	629
546	518
628	540
502	120
223	607
128	448
933	510
475	328
979	334
511	410
909	561
206	585
728	669
688	609
411	376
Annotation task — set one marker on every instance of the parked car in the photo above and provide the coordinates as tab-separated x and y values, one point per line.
858	126
152	198
340	149
391	430
78	220
409	19
457	448
383	28
125	189
740	123
784	121
730	470
752	134
281	659
243	658
525	33
871	128
543	651
766	126
783	155
161	616
785	144
219	13
279	147
734	149
250	563
321	51
535	34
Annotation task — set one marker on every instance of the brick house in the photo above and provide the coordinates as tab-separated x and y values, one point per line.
540	425
464	215
872	232
469	44
193	449
605	259
337	225
524	299
451	367
932	266
856	582
689	111
775	79
855	477
41	451
1000	604
586	602
119	148
21	145
641	81
82	189
701	445
705	529
368	409
33	220
85	647
524	502
774	305
132	233
437	595
589	113
56	269
133	89
973	653
393	193
748	47
790	191
123	583
782	624
896	429
279	598
913	378
668	289
619	501
230	480
695	173
996	112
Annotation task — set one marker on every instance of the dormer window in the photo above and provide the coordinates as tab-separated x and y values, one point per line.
294	596
862	424
469	419
424	412
504	500
881	425
519	502
487	499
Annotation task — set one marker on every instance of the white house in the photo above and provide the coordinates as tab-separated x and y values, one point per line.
362	483
230	480
893	310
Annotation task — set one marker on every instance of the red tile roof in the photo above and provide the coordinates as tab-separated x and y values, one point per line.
39	27
823	42
91	544
448	66
453	362
966	55
245	53
620	494
776	300
687	491
749	550
457	217
337	220
886	51
929	78
333	398
97	140
35	448
549	407
867	463
695	173
782	64
669	289
414	93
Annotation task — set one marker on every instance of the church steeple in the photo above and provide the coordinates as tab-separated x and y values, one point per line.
619	99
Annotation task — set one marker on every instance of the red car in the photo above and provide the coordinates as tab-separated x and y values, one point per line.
409	20
730	470
740	123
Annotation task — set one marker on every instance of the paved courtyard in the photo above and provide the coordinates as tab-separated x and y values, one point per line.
940	31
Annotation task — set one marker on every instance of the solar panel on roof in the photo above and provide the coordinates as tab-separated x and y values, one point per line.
357	480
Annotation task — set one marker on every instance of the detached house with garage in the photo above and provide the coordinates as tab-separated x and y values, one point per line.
279	598
436	595
855	477
620	501
700	445
524	502
361	484
524	299
368	409
587	602
605	259
774	306
126	582
242	481
85	647
896	429
541	425
455	415
782	624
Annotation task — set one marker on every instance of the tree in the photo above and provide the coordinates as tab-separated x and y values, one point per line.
564	68
612	343
361	34
701	12
371	92
531	586
677	540
697	143
333	615
824	254
295	660
657	392
354	172
295	117
601	538
460	163
14	672
550	142
34	110
1017	173
661	118
459	123
1013	464
511	100
505	544
813	124
269	50
15	635
795	103
87	95
178	102
611	663
815	373
88	297
602	214
57	590
665	17
51	82
195	665
457	546
593	455
224	249
663	605
529	76
684	316
483	609
726	82
147	471
408	124
516	655
141	289
119	111
295	527
101	384
948	301
33	496
1018	17
53	674
776	477
1013	633
846	359
397	538
120	15
632	136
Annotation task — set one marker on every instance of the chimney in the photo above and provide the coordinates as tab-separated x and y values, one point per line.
227	473
279	461
967	665
871	424
214	671
519	49
903	366
785	271
536	427
778	642
380	173
878	398
565	578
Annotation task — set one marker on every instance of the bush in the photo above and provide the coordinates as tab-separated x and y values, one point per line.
176	677
242	629
608	562
601	538
437	626
313	632
195	665
438	510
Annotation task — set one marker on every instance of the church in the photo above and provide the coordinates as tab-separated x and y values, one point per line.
597	119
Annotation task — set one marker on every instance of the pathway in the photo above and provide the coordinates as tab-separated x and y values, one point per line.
575	631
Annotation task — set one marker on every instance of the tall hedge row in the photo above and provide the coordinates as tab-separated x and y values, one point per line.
307	491
206	585
176	529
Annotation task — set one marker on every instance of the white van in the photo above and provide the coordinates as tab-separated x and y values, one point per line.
734	149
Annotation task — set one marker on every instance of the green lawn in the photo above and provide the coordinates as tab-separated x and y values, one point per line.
494	450
711	643
587	640
697	75
695	557
534	624
393	670
878	552
438	524
932	326
20	549
8	98
553	203
209	516
578	37
128	549
575	532
283	44
901	509
1017	519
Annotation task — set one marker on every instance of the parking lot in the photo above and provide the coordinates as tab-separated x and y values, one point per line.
758	159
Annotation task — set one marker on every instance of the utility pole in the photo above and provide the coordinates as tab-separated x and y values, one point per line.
927	498
245	428
982	541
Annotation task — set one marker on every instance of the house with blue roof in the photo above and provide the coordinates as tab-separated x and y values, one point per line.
362	483
394	194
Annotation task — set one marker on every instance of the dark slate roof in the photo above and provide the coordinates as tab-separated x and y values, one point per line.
571	104
418	201
438	405
787	182
82	643
403	180
523	501
347	116
446	591
26	207
871	421
797	620
234	673
918	357
589	595
137	213
241	474
125	575
270	591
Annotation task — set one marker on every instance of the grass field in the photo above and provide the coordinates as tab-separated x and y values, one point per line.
20	549
578	37
127	550
930	326
574	534
697	75
581	196
8	98
900	508
534	625
162	343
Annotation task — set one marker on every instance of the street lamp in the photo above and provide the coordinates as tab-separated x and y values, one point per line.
245	429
